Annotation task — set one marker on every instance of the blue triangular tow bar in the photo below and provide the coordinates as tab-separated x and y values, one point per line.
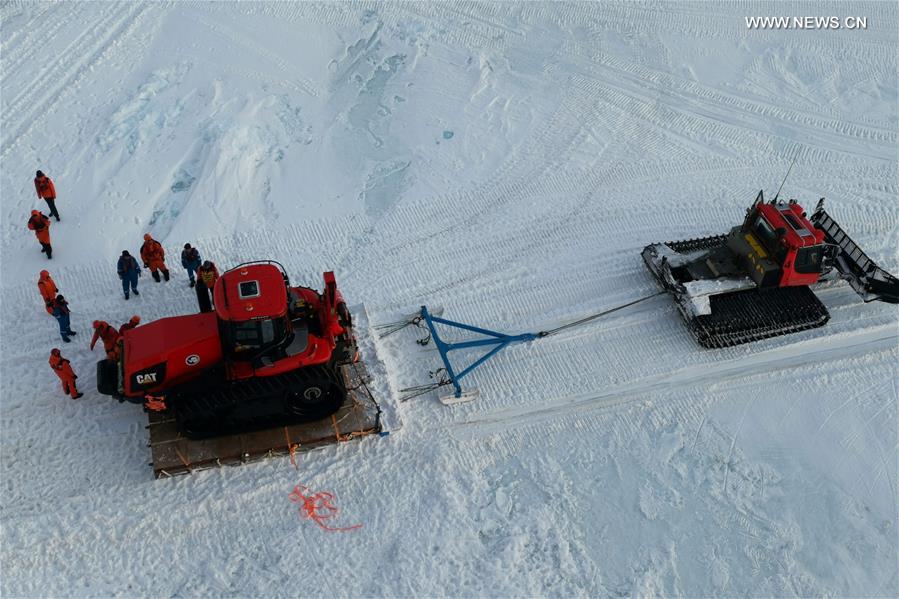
492	338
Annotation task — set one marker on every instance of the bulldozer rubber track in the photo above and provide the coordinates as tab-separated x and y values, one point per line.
254	404
751	315
174	454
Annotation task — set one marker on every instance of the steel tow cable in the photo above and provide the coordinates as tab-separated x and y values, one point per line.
597	315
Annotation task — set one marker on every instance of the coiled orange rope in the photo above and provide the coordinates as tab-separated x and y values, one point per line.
317	507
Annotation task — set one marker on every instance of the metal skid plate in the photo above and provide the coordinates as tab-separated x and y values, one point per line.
466	396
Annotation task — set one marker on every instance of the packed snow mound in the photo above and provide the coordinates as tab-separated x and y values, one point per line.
507	162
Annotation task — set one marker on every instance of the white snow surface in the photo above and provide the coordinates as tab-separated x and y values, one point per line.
508	162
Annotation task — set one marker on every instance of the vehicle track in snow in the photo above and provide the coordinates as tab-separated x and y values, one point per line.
713	102
55	82
701	21
880	338
41	25
748	130
505	186
623	170
624	173
472	30
291	78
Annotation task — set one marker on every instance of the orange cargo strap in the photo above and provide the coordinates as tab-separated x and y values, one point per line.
291	449
336	429
182	458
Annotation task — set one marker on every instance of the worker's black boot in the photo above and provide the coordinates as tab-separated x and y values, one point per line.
165	274
156	275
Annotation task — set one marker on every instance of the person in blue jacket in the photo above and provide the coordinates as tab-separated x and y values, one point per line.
129	271
61	314
190	260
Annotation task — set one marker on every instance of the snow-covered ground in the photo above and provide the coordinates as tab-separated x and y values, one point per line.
507	162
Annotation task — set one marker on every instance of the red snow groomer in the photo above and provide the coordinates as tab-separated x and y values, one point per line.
268	355
754	282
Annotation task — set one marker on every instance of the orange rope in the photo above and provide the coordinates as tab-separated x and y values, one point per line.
336	429
317	507
182	458
291	449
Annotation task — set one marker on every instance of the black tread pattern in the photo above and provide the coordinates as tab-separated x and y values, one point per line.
752	314
701	243
258	403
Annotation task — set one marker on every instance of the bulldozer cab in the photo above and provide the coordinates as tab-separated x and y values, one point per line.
806	259
251	305
782	247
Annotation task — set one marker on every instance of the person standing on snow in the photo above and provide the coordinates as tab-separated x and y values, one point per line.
129	271
191	261
207	275
63	370
61	314
46	191
103	330
153	257
40	224
48	290
135	320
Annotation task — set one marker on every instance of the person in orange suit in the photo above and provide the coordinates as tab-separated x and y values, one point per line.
47	192
40	224
103	330
135	320
48	290
153	256
63	370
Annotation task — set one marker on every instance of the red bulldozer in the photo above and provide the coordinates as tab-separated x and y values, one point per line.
268	355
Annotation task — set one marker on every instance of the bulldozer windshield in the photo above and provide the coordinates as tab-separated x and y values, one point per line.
248	338
765	233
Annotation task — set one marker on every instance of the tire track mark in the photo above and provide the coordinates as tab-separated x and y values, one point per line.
875	339
36	99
